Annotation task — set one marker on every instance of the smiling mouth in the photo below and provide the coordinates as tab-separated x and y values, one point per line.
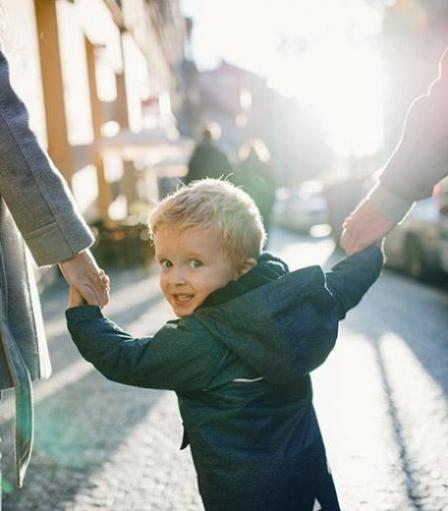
182	298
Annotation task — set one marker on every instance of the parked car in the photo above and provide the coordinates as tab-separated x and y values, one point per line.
414	245
302	207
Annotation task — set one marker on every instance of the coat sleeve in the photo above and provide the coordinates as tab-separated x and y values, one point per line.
392	206
420	159
34	191
174	358
350	279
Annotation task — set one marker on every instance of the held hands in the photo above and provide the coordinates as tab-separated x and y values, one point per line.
76	299
363	227
83	275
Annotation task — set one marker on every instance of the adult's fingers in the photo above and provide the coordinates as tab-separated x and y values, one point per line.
365	226
100	290
105	280
93	295
106	283
346	222
90	295
353	240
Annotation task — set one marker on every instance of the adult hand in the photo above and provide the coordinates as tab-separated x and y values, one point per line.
365	226
82	273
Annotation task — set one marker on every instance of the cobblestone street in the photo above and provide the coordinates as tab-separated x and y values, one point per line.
381	398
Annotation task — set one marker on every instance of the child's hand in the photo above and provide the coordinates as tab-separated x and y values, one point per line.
75	298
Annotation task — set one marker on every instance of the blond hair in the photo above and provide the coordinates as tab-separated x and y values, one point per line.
215	204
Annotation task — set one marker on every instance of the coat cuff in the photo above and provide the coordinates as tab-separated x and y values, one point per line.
393	207
74	314
51	245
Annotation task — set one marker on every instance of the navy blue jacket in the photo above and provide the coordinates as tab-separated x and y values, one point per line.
240	366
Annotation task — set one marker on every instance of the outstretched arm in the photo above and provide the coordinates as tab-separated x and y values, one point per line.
418	162
173	358
351	278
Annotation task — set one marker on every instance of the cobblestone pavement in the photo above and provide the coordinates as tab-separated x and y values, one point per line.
381	398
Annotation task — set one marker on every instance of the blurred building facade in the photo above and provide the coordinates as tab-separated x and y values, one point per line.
101	80
246	107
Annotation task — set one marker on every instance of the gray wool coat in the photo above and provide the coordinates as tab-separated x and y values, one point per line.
37	211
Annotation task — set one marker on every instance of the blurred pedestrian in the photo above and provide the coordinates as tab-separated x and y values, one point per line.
418	162
36	207
255	174
208	160
239	356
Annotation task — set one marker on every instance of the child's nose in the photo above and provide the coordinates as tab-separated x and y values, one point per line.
178	277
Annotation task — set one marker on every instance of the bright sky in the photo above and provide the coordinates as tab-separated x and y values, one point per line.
325	53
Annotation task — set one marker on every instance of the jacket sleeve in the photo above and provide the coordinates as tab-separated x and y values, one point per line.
420	159
173	358
35	193
350	279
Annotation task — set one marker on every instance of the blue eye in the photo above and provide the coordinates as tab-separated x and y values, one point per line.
165	263
195	263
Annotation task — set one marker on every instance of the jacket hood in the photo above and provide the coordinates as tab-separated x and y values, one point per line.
290	319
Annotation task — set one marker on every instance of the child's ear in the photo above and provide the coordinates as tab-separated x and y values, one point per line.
247	265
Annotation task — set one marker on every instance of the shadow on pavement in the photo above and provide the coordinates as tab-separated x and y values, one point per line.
79	426
416	314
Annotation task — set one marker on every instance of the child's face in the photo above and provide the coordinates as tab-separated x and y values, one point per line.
192	265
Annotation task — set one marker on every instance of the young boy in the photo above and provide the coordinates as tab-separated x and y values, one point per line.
239	356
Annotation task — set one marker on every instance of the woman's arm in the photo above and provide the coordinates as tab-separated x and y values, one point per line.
420	159
34	191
